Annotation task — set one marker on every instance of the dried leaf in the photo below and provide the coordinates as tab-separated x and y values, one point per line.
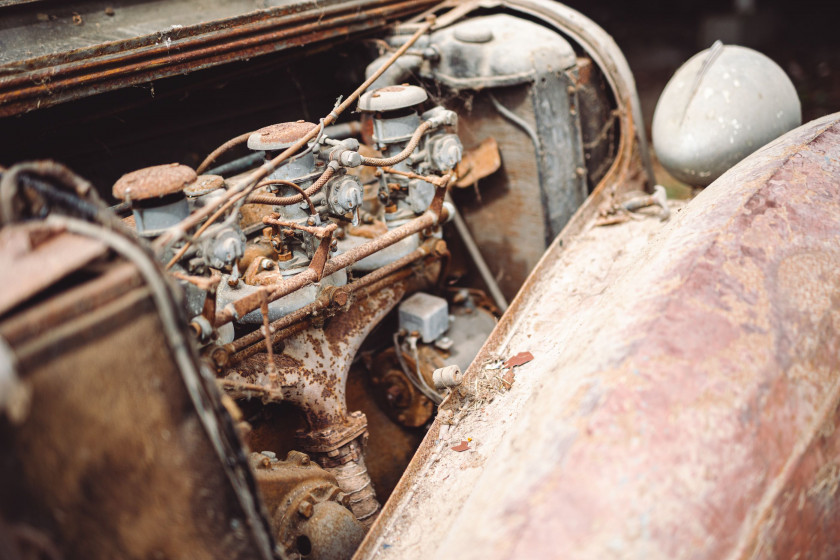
519	359
463	446
508	378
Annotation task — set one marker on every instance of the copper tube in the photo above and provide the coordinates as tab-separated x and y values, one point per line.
409	148
233	142
250	302
318	231
182	251
316	186
436	181
295	198
247	183
276	337
239	346
277	200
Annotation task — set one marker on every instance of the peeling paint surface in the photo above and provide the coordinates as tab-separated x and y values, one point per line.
683	397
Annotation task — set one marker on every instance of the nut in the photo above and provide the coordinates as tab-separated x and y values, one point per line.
220	357
305	509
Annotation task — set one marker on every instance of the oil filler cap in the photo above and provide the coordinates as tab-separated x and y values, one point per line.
392	98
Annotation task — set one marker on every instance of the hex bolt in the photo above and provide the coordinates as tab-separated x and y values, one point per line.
305	509
340	296
220	357
301	459
343	499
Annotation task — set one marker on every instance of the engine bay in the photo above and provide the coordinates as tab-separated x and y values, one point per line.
336	278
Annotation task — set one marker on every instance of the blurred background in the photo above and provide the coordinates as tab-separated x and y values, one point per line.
186	116
657	36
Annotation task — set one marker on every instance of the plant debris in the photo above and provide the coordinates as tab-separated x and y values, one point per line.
519	359
463	446
494	364
508	379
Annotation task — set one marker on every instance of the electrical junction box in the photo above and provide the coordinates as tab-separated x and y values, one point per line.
426	314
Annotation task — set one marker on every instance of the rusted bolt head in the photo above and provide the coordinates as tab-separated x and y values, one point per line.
340	296
305	509
220	357
343	499
440	248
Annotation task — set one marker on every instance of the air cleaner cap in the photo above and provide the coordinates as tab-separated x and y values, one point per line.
153	182
279	136
204	184
392	98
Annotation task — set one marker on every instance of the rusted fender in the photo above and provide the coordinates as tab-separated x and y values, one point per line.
687	410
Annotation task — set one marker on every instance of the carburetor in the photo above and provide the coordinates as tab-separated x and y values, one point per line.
341	195
287	245
397	126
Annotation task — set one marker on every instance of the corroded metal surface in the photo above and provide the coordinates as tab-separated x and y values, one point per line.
305	506
279	136
681	404
99	456
32	259
204	184
153	182
71	72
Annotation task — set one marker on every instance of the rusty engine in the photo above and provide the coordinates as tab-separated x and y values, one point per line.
302	302
305	344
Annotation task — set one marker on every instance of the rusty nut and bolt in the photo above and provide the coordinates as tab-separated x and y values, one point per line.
306	508
220	357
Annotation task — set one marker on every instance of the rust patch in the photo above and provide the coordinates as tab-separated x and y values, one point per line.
519	359
279	136
64	76
461	447
153	182
478	163
705	366
204	184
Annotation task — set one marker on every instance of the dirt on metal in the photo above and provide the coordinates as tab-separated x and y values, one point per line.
282	135
153	182
688	372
